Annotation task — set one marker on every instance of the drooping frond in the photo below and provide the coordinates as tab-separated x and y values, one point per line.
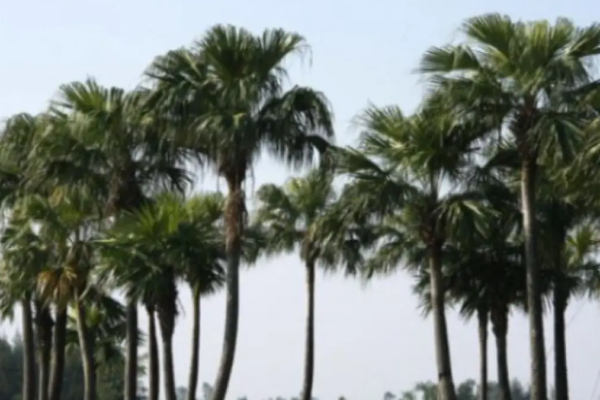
226	96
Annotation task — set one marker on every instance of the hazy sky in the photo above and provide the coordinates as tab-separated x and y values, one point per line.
369	339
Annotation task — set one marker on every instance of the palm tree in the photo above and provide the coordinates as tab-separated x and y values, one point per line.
70	225
158	246
201	238
18	283
526	77
573	273
559	219
398	175
133	253
18	138
493	275
203	213
294	218
22	256
48	265
484	277
226	95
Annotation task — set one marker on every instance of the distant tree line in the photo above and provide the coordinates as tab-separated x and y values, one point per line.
110	375
467	390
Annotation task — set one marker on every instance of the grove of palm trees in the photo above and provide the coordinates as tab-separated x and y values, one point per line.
485	196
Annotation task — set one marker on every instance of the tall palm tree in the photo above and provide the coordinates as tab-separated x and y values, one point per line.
20	261
293	216
42	264
493	275
202	213
226	94
398	173
526	77
574	269
559	219
143	235
64	227
18	280
161	244
483	277
202	239
20	135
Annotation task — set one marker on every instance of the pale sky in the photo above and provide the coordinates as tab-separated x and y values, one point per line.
369	339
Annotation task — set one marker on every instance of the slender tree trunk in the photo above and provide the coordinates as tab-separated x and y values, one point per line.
131	359
500	328
28	350
234	225
560	344
309	349
560	300
534	297
153	360
58	354
446	389
43	323
482	320
86	345
168	367
193	378
166	309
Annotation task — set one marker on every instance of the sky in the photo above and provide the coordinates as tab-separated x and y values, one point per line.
369	338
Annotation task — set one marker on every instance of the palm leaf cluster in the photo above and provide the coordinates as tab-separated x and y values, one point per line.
477	194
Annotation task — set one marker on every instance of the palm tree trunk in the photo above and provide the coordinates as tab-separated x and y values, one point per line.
234	215
43	322
166	310
560	344
482	320
28	350
500	328
168	367
309	355
131	359
446	389
58	354
534	297
193	378
153	361
87	352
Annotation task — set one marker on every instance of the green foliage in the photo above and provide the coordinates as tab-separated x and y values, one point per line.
233	108
302	216
398	173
